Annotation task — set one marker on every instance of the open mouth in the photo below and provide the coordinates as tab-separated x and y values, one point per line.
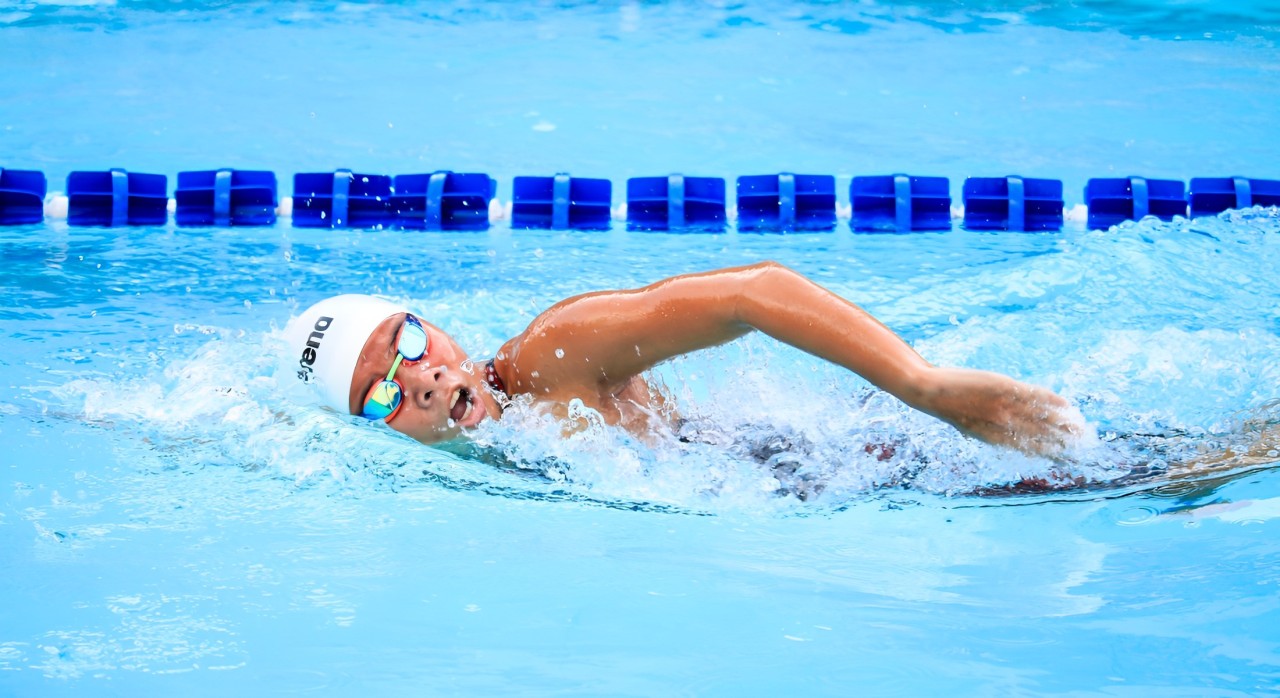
461	405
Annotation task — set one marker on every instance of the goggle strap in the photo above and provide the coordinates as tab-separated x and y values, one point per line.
394	365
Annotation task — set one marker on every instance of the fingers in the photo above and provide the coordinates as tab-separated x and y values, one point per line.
1000	410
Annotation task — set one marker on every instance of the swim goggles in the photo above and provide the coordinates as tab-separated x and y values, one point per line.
385	397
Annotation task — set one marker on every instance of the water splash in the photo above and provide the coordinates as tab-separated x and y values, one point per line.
1163	334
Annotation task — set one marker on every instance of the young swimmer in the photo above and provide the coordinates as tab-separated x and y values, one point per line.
372	358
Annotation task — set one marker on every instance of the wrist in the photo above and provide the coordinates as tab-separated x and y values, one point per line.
927	384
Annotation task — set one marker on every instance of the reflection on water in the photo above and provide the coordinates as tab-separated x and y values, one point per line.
176	512
1174	400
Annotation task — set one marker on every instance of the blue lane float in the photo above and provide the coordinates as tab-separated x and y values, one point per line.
786	202
341	199
1114	200
22	196
116	197
1209	196
225	197
561	202
443	200
1012	203
900	203
676	203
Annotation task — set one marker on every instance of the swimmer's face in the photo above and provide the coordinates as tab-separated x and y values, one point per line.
440	397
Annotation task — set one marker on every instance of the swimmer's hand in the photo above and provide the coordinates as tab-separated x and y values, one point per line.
1002	411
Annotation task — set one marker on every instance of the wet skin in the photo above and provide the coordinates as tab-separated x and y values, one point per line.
596	347
445	378
435	385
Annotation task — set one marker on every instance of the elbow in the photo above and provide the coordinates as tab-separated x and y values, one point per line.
771	274
768	278
766	272
757	285
768	266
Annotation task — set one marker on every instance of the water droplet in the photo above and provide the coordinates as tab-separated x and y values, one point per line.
535	374
467	365
559	353
452	424
322	215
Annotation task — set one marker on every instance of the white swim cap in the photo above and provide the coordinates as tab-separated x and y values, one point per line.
326	340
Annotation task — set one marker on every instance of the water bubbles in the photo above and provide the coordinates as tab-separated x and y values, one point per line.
1137	515
559	353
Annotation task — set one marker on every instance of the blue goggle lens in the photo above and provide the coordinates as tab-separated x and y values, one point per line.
383	400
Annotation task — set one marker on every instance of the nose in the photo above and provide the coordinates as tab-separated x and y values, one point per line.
424	383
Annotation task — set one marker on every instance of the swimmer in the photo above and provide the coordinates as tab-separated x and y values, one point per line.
370	357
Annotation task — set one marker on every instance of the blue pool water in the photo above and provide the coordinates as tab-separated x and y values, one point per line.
177	518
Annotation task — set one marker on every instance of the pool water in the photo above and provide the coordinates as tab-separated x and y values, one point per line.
178	517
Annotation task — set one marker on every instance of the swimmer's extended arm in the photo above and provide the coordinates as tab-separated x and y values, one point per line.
601	340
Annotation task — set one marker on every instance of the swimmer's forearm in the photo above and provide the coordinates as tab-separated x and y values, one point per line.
985	405
789	307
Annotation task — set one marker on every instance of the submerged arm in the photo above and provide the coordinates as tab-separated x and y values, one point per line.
601	340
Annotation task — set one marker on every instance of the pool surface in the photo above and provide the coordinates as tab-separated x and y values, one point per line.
177	517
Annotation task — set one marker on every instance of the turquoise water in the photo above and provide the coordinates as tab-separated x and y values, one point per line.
177	517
